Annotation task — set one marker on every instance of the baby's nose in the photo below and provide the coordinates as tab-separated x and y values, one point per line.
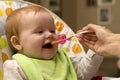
49	35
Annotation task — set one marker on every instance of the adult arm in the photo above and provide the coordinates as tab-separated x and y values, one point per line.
88	66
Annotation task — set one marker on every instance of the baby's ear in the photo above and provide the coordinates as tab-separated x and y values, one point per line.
15	42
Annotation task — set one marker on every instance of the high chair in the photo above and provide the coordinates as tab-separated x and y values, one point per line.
72	46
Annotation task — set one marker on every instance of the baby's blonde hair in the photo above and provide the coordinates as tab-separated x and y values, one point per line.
13	21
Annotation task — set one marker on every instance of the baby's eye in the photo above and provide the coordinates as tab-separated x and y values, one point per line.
52	31
40	31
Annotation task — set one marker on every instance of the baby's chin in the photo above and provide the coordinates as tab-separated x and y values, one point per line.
50	57
47	57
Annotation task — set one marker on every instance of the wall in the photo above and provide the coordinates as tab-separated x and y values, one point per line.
69	13
115	25
87	15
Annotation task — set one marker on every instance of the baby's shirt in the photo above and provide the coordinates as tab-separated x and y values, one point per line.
88	66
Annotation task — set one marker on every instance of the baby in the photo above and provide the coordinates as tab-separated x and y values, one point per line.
29	31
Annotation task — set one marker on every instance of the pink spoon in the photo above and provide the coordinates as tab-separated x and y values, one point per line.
62	40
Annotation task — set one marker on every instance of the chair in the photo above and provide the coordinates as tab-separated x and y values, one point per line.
7	6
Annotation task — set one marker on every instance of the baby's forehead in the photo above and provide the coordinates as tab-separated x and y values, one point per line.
41	19
26	10
32	14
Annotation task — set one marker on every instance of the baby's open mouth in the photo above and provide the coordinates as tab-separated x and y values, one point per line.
48	45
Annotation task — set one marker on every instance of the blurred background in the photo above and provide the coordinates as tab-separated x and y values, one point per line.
78	13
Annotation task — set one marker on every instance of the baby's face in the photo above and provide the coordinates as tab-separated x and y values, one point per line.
37	32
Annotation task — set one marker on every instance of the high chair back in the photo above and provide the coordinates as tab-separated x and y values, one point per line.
7	6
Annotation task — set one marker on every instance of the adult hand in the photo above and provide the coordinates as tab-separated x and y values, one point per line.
104	43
